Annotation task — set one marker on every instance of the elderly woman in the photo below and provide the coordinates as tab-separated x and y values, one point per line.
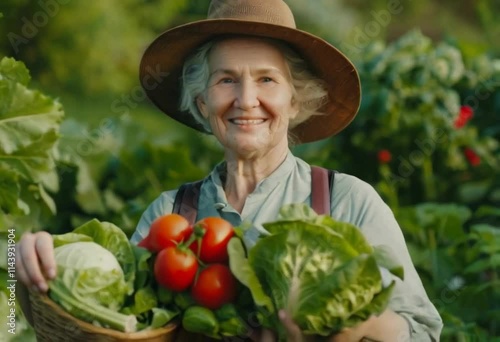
248	77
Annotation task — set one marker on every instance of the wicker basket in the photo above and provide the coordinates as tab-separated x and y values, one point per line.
52	323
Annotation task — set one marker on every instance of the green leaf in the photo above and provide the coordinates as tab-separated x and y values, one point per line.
14	71
199	320
183	300
315	235
350	288
162	316
144	300
474	191
47	200
26	143
87	191
29	123
350	233
225	312
29	130
375	307
446	220
230	322
483	265
486	231
487	238
9	191
143	267
242	270
487	211
297	211
63	239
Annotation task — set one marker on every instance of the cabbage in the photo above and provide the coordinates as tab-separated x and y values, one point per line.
114	240
92	281
322	272
91	272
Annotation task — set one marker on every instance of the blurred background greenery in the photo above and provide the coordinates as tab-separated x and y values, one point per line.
426	135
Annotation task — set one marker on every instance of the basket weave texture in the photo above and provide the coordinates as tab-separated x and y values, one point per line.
52	323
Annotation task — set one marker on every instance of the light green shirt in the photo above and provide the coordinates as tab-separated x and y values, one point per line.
353	201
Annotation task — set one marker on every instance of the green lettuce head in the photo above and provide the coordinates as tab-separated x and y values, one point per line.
322	272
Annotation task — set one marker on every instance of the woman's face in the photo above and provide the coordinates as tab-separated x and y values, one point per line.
248	100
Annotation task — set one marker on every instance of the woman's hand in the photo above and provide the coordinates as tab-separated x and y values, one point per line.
389	326
35	262
293	333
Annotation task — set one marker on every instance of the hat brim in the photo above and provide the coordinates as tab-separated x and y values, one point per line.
162	62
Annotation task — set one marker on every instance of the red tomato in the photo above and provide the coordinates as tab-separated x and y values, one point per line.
218	232
175	268
166	231
214	287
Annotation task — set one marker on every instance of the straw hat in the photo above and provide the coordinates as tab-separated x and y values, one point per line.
161	64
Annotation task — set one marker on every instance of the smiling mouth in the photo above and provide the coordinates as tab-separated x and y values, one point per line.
247	122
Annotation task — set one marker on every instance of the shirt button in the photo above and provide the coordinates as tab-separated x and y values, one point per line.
219	206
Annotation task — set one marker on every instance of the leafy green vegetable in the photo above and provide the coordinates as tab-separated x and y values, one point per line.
143	259
162	317
90	285
230	322
377	305
29	130
322	272
114	240
242	270
183	300
105	280
200	320
144	300
91	271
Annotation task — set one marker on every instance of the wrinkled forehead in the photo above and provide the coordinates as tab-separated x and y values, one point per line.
256	41
262	49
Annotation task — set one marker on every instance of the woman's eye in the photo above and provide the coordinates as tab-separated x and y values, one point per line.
226	80
267	79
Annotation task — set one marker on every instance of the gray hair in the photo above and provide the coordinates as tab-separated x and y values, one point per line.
308	90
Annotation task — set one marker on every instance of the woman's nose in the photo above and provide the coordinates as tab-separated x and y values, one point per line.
247	96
